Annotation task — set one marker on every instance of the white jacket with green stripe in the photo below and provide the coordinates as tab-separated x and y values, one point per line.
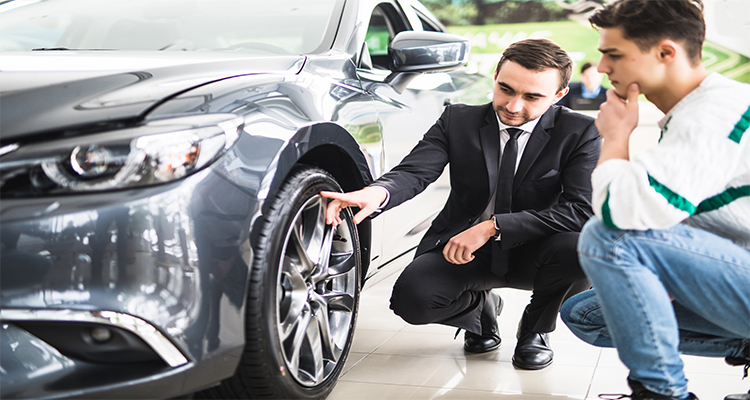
699	173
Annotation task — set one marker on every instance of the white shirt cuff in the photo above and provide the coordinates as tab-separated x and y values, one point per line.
384	204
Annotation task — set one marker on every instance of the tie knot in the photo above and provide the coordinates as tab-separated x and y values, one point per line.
514	133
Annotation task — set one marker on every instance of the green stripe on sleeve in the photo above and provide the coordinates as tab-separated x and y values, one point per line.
673	198
741	127
607	214
723	198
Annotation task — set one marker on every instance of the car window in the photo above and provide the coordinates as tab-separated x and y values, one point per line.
385	23
379	33
243	26
427	25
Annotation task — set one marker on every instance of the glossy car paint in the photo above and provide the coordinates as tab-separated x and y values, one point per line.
176	255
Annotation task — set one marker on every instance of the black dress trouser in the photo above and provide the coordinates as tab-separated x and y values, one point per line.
432	290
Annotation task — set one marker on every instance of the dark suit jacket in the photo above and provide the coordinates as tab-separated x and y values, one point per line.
575	100
551	188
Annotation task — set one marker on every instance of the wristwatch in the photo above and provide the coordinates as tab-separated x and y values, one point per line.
497	229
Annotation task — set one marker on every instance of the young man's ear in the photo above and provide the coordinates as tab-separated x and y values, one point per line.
667	50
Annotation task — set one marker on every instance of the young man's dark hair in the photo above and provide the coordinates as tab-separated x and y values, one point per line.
538	55
646	22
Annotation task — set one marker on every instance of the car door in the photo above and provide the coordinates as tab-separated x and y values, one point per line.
405	117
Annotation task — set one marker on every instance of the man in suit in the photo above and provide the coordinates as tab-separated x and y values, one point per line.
587	94
508	222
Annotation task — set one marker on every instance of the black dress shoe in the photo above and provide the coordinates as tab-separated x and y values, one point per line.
532	351
641	393
740	396
474	343
490	338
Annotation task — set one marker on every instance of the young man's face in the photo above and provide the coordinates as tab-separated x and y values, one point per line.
521	95
625	63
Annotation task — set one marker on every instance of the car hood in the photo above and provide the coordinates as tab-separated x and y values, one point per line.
65	90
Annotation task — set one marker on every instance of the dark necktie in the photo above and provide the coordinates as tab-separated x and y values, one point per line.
504	192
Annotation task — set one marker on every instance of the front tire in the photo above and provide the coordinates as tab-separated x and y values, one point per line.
303	296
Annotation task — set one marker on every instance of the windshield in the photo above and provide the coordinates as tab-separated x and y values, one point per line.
248	26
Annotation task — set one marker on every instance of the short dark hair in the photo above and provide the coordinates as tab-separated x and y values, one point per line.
647	22
538	55
587	65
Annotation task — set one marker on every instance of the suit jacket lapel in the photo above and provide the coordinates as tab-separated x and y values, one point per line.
538	140
489	136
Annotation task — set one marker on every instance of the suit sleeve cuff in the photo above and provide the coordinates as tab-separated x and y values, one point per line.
498	234
384	204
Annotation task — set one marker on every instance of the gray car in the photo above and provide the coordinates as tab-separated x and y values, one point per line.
160	169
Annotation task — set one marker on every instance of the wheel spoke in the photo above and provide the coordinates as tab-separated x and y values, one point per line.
318	244
330	349
316	335
297	237
341	263
339	301
303	324
323	273
293	290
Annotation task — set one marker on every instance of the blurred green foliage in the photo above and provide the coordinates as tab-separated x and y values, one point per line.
580	41
480	12
493	24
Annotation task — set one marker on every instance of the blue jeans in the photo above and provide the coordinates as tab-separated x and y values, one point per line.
659	293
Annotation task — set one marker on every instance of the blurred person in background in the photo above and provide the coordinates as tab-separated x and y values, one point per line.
588	94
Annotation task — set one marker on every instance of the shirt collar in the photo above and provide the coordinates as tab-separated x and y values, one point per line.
590	94
526	128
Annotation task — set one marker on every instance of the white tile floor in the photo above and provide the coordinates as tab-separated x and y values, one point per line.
391	359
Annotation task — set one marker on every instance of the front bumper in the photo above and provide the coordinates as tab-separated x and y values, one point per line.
160	272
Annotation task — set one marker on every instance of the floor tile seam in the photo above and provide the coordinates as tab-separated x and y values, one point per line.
687	371
439	357
426	386
448	357
485	391
383	330
367	354
343	373
593	375
384	342
426	333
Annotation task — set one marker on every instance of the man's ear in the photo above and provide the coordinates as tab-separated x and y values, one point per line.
559	95
667	50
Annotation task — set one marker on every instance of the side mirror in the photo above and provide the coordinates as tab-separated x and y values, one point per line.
411	53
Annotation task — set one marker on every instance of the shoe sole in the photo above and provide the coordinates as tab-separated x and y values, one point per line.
530	367
483	350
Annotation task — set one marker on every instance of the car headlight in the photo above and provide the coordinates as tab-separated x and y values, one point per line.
157	152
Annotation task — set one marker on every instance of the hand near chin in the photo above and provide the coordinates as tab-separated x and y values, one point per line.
617	119
460	249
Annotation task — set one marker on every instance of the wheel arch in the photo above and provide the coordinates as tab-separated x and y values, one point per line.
331	148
